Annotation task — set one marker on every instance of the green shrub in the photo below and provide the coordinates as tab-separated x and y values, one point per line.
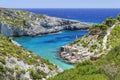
37	75
92	47
118	17
84	44
86	62
31	61
11	70
98	29
110	21
11	77
3	60
23	71
52	67
2	68
16	67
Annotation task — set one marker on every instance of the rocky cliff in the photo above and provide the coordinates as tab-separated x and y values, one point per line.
22	23
105	60
16	63
91	46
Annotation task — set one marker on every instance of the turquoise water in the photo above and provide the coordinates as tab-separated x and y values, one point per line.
47	46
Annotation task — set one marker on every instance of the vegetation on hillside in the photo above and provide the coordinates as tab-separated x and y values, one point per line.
110	21
114	38
98	29
105	68
18	18
118	18
10	51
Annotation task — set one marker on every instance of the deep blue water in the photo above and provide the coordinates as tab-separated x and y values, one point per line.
47	46
84	15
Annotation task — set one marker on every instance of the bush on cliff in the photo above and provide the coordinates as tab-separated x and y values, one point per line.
9	51
110	21
118	17
105	68
98	29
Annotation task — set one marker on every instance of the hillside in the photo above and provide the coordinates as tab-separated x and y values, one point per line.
96	55
104	63
16	63
22	23
91	46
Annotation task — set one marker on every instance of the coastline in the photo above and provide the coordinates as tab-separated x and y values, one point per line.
16	43
51	42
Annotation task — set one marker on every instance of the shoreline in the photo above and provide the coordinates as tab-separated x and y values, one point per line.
64	65
16	43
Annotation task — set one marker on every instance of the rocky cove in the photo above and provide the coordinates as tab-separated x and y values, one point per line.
17	62
18	23
47	46
91	46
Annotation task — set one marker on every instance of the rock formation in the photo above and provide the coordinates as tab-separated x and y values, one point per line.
22	23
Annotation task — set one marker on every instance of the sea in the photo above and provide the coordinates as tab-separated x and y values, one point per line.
47	46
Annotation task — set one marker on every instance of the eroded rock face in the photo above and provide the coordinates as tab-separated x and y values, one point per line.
73	55
85	48
9	30
31	24
20	64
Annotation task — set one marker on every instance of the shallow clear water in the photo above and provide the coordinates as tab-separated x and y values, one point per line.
47	46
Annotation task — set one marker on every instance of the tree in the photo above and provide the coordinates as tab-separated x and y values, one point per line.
118	18
110	21
103	27
97	28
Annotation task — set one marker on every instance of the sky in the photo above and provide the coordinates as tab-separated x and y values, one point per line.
60	3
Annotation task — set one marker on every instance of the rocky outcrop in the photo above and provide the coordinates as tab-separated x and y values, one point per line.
23	23
9	30
16	63
91	46
73	54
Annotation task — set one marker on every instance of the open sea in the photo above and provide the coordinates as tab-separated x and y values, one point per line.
47	46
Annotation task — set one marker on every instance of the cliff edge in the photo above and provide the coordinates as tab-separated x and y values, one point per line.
22	23
91	46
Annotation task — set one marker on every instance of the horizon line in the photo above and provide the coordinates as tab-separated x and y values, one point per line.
69	8
58	8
